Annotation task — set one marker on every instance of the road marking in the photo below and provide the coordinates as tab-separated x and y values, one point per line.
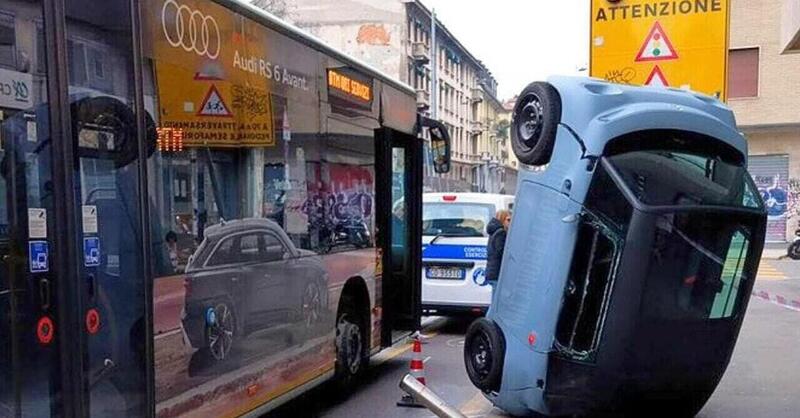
391	353
766	272
478	404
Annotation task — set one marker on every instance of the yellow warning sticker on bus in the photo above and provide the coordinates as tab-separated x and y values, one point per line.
677	43
209	111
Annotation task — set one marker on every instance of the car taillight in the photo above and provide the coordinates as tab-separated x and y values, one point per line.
449	198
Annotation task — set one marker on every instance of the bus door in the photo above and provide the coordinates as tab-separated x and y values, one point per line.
399	195
72	281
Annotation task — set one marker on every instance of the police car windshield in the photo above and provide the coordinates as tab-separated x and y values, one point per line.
456	219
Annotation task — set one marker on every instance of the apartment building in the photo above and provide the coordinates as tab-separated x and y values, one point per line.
395	36
764	92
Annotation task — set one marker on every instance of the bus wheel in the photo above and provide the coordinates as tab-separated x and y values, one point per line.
350	347
484	352
794	250
535	123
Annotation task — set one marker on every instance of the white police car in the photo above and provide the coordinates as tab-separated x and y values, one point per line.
454	251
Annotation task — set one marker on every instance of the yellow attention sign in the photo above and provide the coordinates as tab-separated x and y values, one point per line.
677	43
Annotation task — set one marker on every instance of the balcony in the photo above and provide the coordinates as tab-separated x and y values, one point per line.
476	95
476	127
420	52
423	99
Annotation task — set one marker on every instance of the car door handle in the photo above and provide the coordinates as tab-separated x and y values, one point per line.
234	279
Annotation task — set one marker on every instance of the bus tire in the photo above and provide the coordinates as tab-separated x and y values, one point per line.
534	123
794	251
351	352
484	352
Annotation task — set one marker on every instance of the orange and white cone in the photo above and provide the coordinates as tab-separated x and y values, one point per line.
417	370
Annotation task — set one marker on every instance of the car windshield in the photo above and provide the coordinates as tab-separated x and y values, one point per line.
672	178
697	266
456	219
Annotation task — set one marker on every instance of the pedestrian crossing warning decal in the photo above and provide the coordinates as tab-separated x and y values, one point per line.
657	46
213	105
656	78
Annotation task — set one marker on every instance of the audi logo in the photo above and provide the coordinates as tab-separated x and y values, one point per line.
193	31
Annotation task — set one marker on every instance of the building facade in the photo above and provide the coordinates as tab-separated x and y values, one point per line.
396	36
764	92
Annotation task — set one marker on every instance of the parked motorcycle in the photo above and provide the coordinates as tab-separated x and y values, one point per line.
794	248
352	231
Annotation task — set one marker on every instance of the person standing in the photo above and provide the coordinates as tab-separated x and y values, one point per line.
497	230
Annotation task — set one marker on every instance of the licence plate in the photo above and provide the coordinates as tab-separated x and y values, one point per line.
452	273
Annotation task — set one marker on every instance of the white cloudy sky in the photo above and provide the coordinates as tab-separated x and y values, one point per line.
520	40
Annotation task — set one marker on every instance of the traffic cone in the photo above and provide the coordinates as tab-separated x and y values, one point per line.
417	370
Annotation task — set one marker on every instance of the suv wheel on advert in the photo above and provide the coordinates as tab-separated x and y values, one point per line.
220	330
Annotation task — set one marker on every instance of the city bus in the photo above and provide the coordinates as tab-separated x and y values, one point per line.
199	209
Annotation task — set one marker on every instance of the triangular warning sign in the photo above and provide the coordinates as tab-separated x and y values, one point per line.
657	46
213	105
656	78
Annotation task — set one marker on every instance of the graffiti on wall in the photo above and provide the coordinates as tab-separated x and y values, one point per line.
774	192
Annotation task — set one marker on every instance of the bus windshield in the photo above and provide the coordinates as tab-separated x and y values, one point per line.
456	219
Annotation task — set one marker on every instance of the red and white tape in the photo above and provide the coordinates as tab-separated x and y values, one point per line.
779	300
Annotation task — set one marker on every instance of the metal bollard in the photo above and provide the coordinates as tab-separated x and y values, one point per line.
426	397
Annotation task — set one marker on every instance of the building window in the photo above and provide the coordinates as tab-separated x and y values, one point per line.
743	73
8	41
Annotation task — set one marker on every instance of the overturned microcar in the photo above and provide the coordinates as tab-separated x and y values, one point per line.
632	251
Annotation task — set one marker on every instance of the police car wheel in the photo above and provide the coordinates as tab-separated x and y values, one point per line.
484	352
535	123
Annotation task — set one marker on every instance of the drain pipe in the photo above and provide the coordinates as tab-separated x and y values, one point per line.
425	396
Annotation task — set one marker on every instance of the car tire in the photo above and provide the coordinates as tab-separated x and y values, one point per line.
484	352
794	250
351	347
311	307
220	337
534	123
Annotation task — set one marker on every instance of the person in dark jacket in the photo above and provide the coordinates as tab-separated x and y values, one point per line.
497	230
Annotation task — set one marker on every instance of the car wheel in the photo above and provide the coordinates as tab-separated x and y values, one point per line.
220	330
351	359
484	352
535	123
312	305
794	250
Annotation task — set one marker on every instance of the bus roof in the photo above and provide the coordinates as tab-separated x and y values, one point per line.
275	23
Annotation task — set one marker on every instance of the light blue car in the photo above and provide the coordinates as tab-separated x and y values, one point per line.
631	256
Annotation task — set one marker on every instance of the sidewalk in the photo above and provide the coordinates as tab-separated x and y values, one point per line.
774	251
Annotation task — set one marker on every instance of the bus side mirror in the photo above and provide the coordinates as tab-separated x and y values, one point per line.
440	144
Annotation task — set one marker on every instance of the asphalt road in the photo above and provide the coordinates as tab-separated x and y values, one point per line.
763	379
